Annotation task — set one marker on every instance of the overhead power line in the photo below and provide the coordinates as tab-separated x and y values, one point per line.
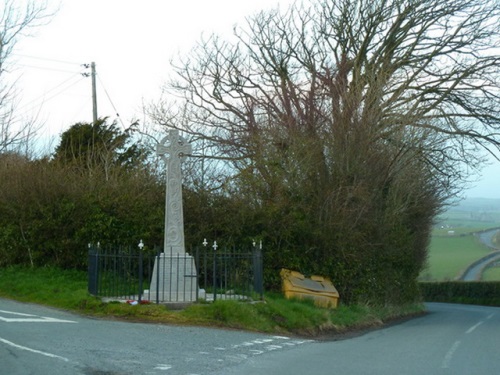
111	102
54	92
46	68
66	84
47	59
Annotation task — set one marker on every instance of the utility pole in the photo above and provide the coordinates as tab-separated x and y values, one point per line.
94	92
92	74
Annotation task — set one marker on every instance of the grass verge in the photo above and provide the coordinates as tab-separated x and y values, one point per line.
68	290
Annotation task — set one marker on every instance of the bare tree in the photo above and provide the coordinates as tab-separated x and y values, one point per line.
362	113
397	67
16	21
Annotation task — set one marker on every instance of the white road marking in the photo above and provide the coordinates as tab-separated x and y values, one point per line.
273	347
490	316
256	352
29	318
262	341
33	350
15	313
300	342
257	347
163	367
242	344
448	357
474	327
237	357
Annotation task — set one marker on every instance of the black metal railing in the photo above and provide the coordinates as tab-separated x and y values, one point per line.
230	274
121	272
126	273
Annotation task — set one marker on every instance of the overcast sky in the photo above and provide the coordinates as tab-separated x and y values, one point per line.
131	43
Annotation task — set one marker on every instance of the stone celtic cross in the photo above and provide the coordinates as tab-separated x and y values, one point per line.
173	149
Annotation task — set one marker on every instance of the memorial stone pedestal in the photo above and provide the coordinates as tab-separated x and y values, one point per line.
174	279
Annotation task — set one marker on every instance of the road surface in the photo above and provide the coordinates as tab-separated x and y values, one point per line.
451	339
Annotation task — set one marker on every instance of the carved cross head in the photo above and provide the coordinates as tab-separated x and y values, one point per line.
173	145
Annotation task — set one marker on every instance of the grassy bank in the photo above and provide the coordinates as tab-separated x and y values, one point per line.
68	290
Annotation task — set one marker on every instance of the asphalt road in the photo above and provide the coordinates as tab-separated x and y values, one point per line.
38	340
487	238
451	339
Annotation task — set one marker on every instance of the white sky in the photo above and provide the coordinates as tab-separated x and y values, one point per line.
131	43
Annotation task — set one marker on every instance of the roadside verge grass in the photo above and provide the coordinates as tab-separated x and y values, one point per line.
68	290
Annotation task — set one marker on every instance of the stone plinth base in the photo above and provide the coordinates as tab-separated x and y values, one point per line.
174	279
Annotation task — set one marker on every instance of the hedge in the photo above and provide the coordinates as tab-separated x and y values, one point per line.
473	293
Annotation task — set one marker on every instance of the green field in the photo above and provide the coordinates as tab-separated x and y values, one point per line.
453	246
491	274
449	256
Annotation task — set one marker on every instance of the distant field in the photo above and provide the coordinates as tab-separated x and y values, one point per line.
496	239
491	274
471	215
457	230
453	247
462	222
450	255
